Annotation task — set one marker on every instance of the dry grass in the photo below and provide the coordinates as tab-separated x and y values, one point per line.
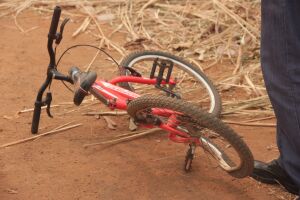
207	33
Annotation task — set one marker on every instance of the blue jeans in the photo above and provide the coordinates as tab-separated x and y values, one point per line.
280	59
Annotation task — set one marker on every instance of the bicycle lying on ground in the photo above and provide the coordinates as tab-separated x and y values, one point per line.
184	121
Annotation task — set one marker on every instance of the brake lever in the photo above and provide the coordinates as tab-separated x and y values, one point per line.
48	103
59	35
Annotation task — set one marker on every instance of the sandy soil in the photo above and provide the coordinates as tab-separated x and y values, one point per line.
58	167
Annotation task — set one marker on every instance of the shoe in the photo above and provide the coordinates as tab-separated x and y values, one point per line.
273	173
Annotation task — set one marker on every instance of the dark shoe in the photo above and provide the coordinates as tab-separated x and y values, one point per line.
273	173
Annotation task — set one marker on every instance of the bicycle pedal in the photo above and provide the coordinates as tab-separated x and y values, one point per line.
163	66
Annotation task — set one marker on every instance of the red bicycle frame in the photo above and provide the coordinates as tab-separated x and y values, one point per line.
116	97
108	92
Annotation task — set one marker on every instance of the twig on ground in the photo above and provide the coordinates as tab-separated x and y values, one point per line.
250	124
31	109
110	123
131	137
78	108
259	119
112	113
61	126
56	130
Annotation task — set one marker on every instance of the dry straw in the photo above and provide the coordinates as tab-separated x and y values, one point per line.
209	34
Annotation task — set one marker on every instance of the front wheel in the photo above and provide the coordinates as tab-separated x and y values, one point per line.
192	84
218	140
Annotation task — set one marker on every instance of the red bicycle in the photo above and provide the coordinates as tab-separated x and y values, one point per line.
185	122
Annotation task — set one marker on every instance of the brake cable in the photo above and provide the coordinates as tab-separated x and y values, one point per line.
83	45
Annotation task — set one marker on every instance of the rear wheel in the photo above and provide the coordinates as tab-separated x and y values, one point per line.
218	140
192	84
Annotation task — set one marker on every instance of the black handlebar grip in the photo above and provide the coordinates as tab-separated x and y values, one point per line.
55	21
36	117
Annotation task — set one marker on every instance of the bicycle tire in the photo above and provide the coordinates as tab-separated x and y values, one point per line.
202	119
183	65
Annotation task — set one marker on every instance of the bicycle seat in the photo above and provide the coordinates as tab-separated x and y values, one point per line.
83	81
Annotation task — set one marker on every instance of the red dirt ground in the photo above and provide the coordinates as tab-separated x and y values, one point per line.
58	167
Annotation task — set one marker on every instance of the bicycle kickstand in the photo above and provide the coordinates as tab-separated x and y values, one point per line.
189	158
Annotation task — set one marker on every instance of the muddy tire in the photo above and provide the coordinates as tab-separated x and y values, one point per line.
207	122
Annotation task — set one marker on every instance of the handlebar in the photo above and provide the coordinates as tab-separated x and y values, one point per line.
54	22
52	73
52	35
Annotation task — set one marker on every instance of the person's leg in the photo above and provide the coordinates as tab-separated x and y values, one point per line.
280	58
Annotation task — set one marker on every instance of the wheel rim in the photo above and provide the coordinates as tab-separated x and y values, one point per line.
195	75
223	160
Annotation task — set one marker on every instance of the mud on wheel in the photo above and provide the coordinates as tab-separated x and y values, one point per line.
193	85
225	147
